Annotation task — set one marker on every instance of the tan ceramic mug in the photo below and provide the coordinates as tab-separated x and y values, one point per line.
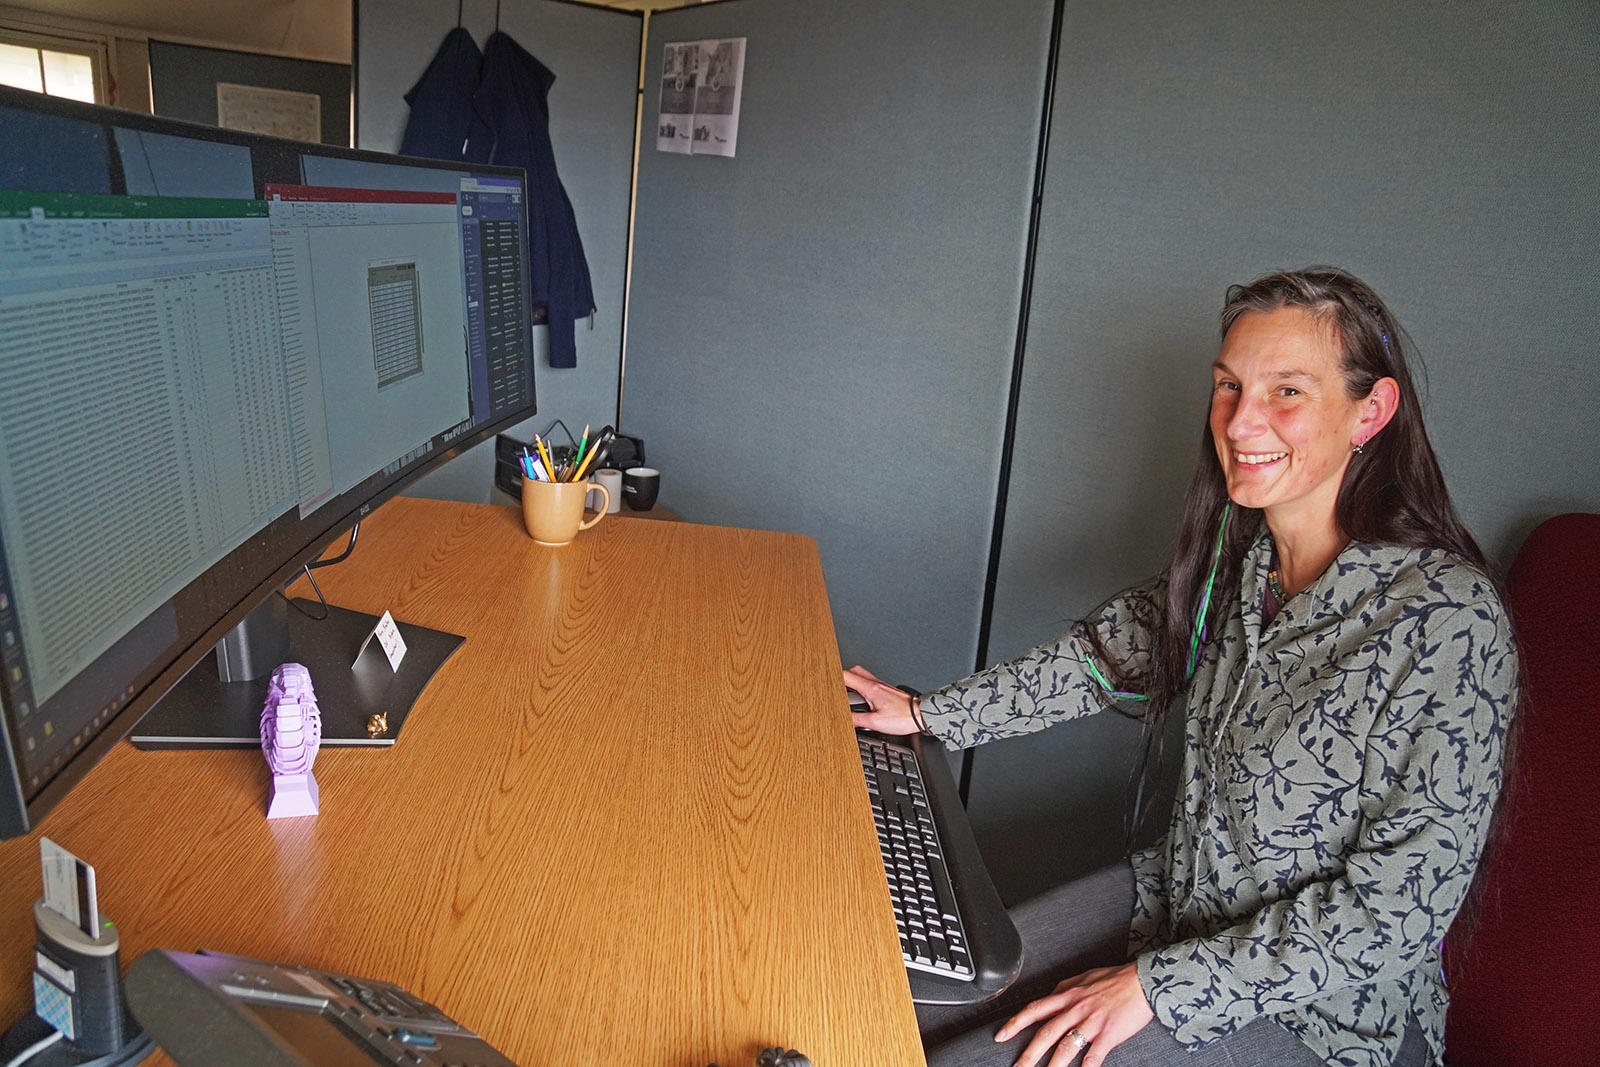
553	511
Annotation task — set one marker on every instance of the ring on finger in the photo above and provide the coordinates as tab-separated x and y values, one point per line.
1079	1042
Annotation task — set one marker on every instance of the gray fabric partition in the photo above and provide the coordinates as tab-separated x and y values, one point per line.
594	53
183	83
821	330
1444	153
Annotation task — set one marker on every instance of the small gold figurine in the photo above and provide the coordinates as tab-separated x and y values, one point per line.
377	724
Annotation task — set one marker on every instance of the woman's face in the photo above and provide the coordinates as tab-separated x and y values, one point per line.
1281	421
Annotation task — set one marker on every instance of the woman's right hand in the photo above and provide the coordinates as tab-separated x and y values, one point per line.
891	708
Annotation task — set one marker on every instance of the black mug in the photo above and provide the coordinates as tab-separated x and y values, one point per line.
640	485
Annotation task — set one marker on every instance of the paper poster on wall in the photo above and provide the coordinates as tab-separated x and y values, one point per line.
275	112
678	69
716	97
701	86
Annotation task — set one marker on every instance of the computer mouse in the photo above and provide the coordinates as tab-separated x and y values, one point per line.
858	703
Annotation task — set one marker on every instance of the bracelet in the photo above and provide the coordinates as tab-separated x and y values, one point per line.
916	716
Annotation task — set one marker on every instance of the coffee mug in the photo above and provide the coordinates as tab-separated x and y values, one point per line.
640	485
553	511
612	480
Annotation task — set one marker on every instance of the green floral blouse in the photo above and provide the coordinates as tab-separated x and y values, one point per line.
1340	768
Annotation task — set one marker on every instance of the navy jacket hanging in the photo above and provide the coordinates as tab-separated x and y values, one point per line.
512	98
493	107
443	123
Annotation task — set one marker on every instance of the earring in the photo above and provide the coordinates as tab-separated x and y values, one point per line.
1358	447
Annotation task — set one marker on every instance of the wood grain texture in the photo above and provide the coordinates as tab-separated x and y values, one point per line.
625	824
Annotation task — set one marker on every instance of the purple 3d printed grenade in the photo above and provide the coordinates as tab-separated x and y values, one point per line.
291	730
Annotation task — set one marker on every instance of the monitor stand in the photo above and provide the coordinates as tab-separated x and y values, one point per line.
207	711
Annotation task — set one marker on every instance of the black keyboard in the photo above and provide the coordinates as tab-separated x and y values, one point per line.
932	937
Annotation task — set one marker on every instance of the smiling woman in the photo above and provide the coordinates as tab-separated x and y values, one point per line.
1347	680
1285	427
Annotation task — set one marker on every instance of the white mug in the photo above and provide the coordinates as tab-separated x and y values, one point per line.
612	480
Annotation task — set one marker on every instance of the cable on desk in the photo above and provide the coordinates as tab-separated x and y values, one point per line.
34	1049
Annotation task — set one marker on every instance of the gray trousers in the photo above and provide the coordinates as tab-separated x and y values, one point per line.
1072	929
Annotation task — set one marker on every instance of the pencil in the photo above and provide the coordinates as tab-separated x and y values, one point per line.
584	466
544	454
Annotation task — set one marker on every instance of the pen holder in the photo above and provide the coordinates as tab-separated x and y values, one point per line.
553	511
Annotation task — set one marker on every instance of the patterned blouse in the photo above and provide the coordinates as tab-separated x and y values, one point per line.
1340	767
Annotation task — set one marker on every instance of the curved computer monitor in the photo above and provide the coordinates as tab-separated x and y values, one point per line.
218	351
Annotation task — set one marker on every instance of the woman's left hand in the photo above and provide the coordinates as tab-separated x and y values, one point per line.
1105	1006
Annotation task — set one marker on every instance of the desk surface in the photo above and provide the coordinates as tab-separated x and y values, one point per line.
625	824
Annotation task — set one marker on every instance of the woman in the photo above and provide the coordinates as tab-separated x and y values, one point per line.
1347	677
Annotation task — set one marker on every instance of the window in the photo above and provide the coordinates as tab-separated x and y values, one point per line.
58	66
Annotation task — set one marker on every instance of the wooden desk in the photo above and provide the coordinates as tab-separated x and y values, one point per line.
625	824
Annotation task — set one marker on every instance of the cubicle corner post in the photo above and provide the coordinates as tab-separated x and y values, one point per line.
1014	396
355	72
821	329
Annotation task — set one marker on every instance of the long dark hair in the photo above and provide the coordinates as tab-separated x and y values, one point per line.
1393	492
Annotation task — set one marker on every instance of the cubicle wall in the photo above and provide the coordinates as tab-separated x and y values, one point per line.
594	53
1444	154
184	78
821	329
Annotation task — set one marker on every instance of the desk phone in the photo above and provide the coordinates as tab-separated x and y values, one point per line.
215	1008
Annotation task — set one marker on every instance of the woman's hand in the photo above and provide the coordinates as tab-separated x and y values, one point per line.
1105	1007
891	708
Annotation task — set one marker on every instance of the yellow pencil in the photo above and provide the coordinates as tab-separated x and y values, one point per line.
584	466
544	454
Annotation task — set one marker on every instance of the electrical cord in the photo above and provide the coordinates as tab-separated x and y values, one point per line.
571	440
355	531
320	599
34	1049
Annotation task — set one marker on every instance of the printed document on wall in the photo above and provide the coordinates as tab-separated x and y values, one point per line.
716	96
275	112
678	70
701	86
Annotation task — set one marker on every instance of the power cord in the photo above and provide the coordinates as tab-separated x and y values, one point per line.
571	440
34	1049
320	598
355	531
